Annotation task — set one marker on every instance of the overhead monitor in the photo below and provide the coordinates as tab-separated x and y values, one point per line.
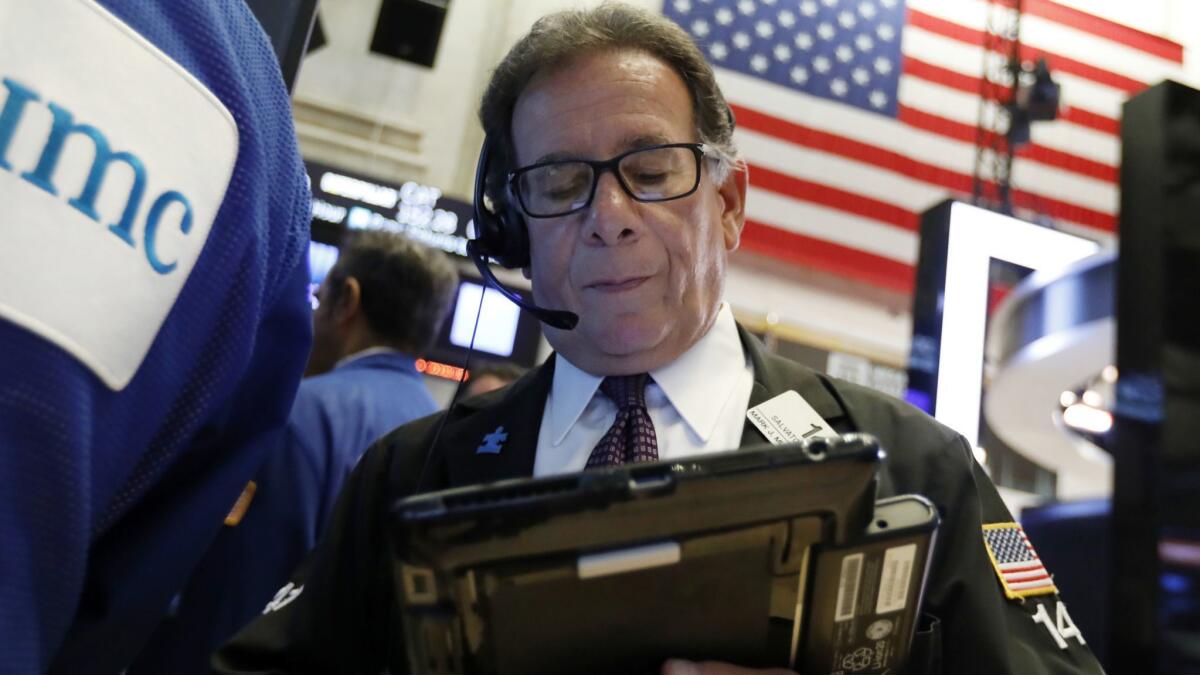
321	258
497	319
288	24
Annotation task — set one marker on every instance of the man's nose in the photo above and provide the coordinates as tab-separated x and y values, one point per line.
612	218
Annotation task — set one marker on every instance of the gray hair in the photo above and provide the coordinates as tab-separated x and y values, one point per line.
558	38
407	287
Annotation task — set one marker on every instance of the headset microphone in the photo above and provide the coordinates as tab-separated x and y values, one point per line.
502	236
555	318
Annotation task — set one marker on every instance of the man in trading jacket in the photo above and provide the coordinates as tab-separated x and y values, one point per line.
617	145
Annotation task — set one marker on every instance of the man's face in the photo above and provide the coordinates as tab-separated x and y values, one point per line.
645	278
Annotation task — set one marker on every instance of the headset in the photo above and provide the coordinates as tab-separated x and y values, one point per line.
501	234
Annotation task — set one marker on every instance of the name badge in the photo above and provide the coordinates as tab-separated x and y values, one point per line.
788	418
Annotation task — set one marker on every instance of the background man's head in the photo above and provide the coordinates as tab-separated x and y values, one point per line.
646	278
384	291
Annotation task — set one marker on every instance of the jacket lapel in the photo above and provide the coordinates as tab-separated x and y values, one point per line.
495	436
774	375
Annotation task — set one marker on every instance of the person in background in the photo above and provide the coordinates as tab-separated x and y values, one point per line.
491	377
380	306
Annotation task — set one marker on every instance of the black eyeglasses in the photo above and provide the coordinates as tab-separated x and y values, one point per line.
657	173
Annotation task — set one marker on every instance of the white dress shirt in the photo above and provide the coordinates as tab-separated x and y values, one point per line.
697	403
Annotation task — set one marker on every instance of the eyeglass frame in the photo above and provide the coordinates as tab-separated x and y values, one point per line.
700	151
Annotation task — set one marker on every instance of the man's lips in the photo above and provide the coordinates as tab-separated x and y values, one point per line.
616	285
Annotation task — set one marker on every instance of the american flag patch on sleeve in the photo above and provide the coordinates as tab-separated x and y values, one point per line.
1016	563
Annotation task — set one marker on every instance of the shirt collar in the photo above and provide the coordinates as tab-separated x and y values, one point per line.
369	351
569	395
698	383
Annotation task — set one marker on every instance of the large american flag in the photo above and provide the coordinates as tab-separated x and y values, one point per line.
856	115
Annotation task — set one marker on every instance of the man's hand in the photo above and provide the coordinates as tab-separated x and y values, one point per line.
681	667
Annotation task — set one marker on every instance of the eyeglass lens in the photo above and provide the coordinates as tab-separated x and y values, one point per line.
653	174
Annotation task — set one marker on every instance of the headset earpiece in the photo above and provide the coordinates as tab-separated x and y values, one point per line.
500	234
500	231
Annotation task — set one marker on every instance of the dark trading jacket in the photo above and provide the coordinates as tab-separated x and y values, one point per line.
344	618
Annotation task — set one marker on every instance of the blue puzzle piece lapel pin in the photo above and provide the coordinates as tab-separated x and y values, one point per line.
493	442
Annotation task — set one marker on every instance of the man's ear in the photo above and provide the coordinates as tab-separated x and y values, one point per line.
733	204
349	301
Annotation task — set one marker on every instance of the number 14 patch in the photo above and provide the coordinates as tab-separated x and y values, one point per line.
1022	575
1062	627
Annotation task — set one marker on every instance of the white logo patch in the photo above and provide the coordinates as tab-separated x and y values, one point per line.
113	163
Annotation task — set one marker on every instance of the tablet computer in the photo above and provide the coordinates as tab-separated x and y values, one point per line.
725	556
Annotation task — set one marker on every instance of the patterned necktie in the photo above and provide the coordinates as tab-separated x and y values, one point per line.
631	437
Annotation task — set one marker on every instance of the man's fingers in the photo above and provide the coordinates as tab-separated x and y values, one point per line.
681	667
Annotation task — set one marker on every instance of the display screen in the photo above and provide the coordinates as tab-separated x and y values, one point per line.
505	333
346	201
287	23
321	258
498	318
959	243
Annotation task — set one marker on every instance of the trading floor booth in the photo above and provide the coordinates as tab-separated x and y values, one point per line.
1076	374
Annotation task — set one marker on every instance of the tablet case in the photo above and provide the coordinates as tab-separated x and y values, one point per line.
720	556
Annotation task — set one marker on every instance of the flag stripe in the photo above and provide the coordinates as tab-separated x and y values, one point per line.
1098	49
966	59
1020	567
840	169
963	132
886	159
1063	160
1026	585
1060	63
1057	62
848	147
964	108
1152	44
956	153
849	230
967	87
968	134
1032	575
916	67
831	224
827	256
911	194
1061	210
935	94
1086	118
844	200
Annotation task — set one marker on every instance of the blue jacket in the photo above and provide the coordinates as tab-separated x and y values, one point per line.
157	326
335	418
